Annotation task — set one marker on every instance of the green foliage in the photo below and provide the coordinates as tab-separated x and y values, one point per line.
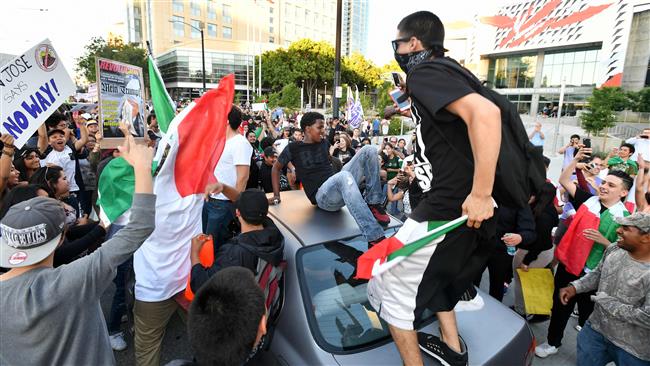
639	101
113	49
383	98
290	96
610	98
597	118
602	105
312	62
395	126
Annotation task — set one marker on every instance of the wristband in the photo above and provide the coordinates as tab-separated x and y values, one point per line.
8	153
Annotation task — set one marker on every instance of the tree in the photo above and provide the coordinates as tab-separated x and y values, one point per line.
357	70
113	49
639	101
602	104
290	96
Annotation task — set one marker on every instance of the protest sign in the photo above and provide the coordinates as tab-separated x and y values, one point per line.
121	98
32	85
256	107
537	289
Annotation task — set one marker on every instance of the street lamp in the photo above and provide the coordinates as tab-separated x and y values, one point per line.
201	24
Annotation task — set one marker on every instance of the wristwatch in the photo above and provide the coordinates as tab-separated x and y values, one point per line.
276	201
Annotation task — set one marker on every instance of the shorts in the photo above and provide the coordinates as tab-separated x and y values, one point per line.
434	277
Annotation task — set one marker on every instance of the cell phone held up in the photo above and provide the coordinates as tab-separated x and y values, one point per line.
403	102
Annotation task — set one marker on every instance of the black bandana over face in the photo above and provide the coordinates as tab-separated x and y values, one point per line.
409	60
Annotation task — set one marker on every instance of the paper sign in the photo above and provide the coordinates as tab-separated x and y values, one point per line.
121	98
32	85
537	288
258	107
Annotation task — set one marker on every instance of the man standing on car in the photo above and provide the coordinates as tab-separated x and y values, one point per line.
447	111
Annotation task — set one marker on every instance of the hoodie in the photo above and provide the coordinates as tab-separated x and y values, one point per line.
244	250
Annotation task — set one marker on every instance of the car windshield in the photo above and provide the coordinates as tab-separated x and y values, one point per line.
340	315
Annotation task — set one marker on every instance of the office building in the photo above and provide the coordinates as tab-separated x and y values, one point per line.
528	50
234	32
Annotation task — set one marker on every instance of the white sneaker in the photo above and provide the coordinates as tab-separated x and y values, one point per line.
117	341
544	350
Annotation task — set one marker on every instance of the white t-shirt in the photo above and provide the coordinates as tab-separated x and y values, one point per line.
237	151
62	159
280	144
640	146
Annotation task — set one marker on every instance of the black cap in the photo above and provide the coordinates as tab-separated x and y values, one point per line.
252	204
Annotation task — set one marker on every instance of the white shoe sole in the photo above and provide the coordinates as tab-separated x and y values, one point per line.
443	362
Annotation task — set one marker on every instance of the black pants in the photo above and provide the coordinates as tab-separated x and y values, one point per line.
499	265
560	313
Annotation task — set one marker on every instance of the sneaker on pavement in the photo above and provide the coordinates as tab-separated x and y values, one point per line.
544	350
117	341
379	212
436	348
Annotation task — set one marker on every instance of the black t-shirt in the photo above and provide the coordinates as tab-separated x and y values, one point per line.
444	173
265	178
343	156
312	162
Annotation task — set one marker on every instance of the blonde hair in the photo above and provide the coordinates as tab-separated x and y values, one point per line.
348	141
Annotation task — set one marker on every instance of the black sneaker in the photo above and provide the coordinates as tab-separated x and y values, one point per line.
379	212
439	350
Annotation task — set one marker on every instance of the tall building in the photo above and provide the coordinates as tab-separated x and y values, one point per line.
234	31
529	49
355	22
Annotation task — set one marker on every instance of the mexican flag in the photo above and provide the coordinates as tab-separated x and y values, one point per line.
577	252
195	141
391	251
162	103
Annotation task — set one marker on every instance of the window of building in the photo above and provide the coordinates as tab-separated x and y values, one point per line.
227	18
196	8
271	20
227	32
513	72
271	29
298	12
576	68
178	27
270	10
177	6
271	39
212	30
196	25
212	11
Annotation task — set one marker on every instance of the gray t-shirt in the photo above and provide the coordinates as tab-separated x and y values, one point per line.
623	316
52	316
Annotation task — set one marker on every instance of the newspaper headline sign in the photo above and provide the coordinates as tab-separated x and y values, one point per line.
32	86
121	98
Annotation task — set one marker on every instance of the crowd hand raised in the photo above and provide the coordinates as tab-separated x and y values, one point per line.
7	140
582	153
640	162
477	209
566	293
214	188
136	155
124	127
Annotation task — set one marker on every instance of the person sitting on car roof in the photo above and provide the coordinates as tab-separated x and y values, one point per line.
259	239
331	191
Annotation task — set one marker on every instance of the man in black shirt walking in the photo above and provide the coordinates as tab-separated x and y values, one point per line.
458	137
331	191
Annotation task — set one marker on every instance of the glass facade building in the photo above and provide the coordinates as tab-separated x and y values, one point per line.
532	80
180	67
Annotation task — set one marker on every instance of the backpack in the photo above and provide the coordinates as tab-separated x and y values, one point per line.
520	170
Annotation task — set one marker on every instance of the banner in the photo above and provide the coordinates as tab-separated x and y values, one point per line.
32	85
121	98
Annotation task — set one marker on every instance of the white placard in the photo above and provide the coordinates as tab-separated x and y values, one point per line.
32	86
258	107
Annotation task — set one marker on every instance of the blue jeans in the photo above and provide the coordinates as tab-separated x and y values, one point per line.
118	306
216	216
342	189
596	350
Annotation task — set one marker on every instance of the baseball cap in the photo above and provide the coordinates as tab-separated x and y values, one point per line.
252	204
86	116
640	220
91	122
31	230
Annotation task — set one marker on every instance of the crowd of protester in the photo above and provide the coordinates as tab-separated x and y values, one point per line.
58	258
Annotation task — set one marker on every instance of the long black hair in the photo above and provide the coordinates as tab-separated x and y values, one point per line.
17	195
543	198
19	162
46	178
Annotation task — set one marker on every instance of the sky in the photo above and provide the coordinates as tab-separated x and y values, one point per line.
70	24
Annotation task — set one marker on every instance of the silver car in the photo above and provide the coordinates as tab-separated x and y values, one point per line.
325	317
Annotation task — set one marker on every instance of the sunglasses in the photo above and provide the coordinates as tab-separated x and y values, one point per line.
395	43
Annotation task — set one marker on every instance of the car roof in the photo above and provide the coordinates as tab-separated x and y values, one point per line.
311	225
